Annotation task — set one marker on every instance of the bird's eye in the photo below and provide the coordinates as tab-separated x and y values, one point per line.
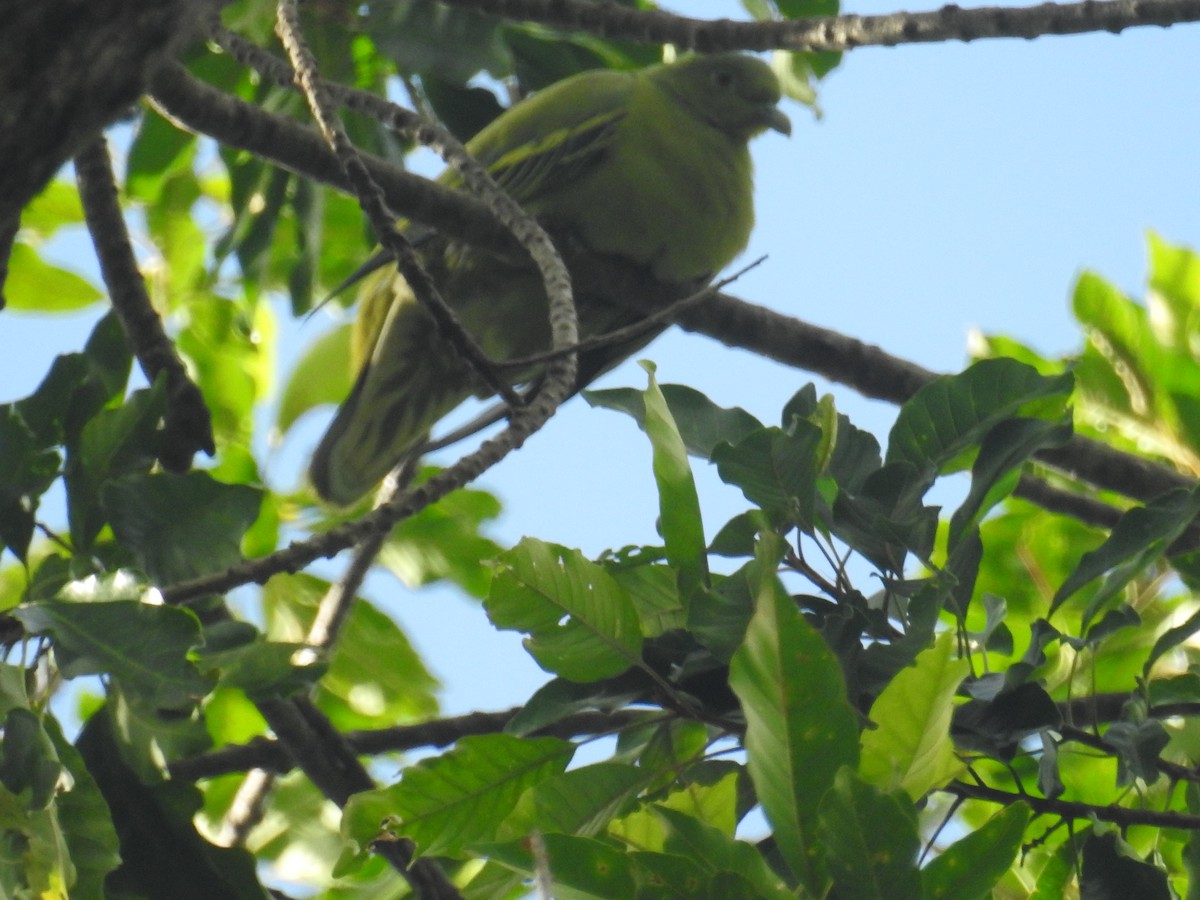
722	78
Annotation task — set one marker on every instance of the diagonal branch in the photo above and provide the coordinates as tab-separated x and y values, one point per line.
188	426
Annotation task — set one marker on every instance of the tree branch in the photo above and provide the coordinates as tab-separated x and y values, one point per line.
188	425
950	23
69	68
271	755
1069	809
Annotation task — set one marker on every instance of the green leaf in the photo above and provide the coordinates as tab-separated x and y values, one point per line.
580	802
800	729
559	698
29	764
655	595
455	44
702	424
26	471
910	747
870	840
997	467
159	149
86	821
970	867
580	622
1139	747
584	866
717	853
776	470
321	376
1140	537
145	647
948	417
1112	872
375	676
678	503
38	286
449	802
114	442
264	669
885	519
145	514
58	205
1174	288
445	541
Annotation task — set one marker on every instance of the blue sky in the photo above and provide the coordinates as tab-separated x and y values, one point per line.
947	187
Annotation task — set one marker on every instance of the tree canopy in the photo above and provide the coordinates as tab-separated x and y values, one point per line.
956	658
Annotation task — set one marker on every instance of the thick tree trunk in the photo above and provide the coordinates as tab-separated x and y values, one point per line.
68	68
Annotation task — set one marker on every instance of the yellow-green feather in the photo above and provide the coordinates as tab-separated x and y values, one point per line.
651	166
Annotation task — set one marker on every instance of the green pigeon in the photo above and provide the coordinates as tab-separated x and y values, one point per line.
650	167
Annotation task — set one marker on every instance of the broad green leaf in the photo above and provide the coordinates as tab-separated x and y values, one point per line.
580	802
1111	870
1139	747
1174	296
144	510
56	206
580	622
716	852
264	669
375	676
1140	537
997	467
321	376
445	540
775	469
702	424
910	747
26	471
655	595
86	822
114	442
678	503
145	647
870	839
582	867
159	149
970	867
455	44
33	854
29	764
560	697
947	418
847	455
885	518
1170	639
38	286
446	803
800	729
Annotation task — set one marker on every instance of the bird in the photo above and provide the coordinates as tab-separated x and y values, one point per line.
648	167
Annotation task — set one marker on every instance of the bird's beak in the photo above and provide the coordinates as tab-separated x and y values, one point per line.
777	121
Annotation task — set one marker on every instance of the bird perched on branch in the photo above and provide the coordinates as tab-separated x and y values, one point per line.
650	168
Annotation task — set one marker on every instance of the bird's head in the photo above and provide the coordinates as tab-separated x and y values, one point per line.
734	93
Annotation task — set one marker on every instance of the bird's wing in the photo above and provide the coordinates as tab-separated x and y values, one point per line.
550	140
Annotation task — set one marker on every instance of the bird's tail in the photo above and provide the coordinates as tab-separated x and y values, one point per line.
410	380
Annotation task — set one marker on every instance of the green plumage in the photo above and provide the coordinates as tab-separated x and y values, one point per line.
652	167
